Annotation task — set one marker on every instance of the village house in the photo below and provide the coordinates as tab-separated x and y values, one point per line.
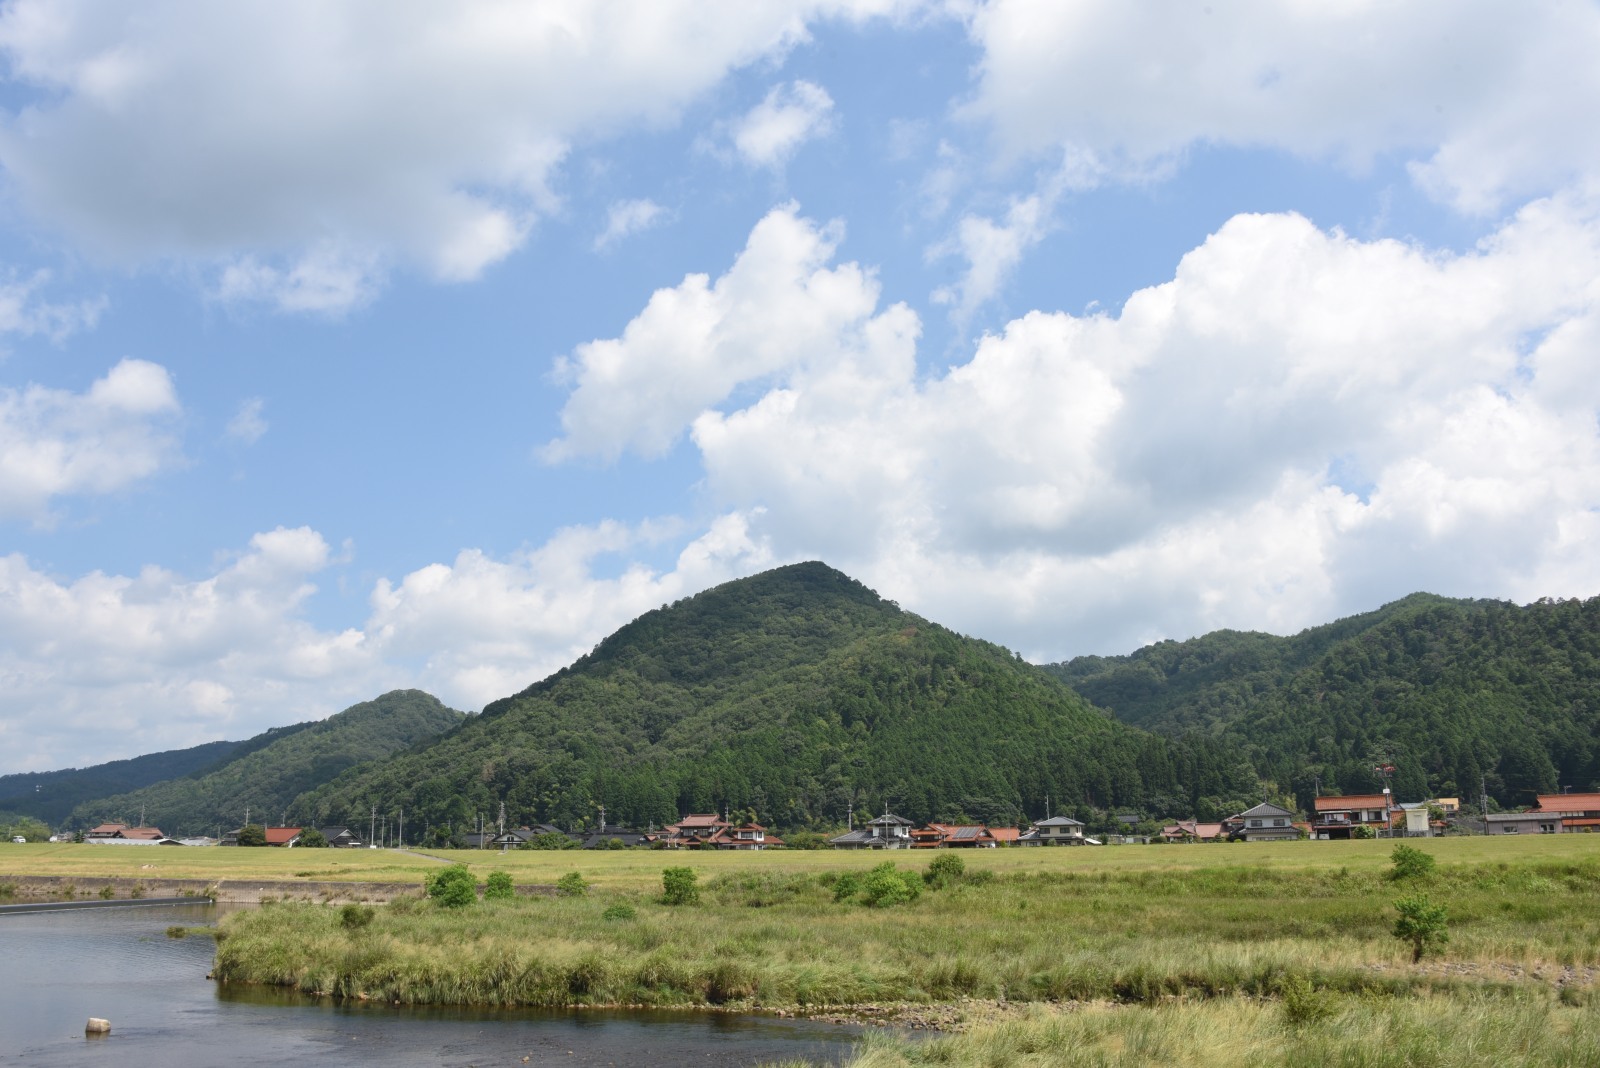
1057	830
887	831
122	834
341	837
953	836
1265	822
1578	812
1338	817
1192	831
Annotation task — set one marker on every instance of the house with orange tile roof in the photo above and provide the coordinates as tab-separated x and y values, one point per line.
1338	817
953	836
1578	812
1193	831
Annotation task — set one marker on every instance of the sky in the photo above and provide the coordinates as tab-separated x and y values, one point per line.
352	347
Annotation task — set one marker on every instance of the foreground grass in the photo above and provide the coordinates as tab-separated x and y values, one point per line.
1035	932
1433	1031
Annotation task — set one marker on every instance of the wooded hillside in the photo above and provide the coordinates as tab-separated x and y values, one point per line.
788	696
1452	692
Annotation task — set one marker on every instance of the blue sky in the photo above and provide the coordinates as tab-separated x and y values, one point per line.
380	345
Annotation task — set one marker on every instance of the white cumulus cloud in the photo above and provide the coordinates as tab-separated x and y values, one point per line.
790	115
55	443
1483	100
257	136
777	307
1299	424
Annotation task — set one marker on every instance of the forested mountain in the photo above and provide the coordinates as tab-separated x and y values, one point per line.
1452	692
266	773
52	795
789	696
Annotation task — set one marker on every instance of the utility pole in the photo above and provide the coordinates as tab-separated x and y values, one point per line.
1483	800
372	827
850	815
402	828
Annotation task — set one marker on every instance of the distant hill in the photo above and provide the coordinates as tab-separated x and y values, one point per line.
1453	692
266	773
52	795
790	696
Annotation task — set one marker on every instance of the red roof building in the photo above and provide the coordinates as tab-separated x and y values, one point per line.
1579	812
1338	817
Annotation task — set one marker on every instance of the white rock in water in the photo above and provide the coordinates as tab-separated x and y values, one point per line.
97	1026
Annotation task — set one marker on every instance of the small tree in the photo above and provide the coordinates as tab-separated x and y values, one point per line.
311	838
252	834
452	887
678	888
1410	863
498	887
571	885
1422	923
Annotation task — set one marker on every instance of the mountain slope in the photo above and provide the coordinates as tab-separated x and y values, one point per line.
1454	692
790	695
269	771
52	795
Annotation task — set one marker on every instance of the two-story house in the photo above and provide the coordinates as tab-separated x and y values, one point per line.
1057	830
1338	817
887	831
1264	823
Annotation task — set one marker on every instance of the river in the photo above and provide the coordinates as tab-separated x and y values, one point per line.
57	969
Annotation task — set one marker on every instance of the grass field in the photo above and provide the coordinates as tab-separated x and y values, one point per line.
638	870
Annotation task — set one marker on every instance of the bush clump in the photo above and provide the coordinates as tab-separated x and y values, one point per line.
619	911
678	887
1410	863
571	885
886	885
498	887
452	887
946	869
354	916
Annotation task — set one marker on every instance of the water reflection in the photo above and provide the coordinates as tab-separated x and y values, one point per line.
60	968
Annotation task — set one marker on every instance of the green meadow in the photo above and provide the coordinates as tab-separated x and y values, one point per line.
1137	925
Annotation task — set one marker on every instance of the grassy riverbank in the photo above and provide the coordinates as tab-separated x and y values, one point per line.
1463	1030
1040	929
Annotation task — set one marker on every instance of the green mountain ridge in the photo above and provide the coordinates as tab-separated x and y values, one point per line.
52	795
789	696
266	773
1457	694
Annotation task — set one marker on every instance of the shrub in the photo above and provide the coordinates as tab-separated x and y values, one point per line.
678	888
847	886
619	911
252	834
1410	863
498	887
354	916
1422	923
888	886
615	843
311	838
1363	832
805	840
452	887
571	885
1303	1003
106	893
945	869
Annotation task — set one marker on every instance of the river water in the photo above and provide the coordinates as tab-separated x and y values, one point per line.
57	969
